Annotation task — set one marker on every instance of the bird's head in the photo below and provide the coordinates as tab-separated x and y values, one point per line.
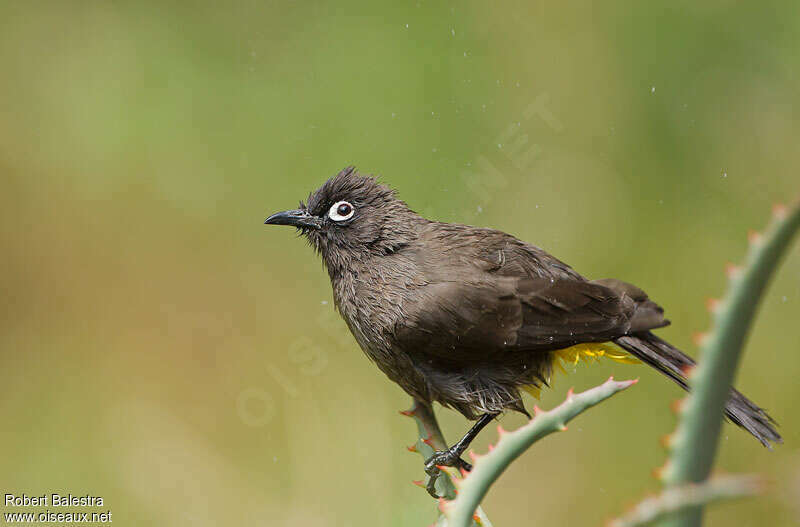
351	216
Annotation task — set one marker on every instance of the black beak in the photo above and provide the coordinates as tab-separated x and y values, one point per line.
295	218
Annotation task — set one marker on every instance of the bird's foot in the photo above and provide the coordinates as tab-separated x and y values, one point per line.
443	458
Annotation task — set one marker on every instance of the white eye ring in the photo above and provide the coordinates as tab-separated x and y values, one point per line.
341	207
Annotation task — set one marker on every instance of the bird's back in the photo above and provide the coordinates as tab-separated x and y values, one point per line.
457	249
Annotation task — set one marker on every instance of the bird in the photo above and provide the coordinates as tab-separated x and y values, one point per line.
471	317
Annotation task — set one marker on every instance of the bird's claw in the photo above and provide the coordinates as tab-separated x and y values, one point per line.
442	458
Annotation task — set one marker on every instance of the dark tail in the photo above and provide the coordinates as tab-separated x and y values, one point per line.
672	362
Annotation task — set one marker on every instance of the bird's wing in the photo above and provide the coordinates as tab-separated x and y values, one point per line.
474	320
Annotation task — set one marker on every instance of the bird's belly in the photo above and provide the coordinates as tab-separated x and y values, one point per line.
493	386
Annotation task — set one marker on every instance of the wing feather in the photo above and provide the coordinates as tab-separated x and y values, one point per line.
485	294
467	321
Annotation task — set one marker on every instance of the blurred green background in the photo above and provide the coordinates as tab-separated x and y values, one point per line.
163	349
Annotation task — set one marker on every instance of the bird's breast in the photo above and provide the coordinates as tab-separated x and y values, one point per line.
371	302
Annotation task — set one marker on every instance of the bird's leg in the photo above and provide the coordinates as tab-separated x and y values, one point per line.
452	456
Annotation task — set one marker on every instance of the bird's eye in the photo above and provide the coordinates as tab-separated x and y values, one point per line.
341	211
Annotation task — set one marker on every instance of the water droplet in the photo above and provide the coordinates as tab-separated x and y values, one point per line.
652	89
406	26
453	32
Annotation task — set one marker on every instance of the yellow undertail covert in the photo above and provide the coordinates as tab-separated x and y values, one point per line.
588	352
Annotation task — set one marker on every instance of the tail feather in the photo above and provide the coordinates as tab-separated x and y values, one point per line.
673	363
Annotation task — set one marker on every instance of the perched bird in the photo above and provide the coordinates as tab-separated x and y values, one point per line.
466	316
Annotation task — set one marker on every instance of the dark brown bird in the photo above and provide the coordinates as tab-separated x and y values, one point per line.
467	317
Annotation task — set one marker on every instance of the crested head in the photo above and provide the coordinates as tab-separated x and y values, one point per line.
352	216
349	184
